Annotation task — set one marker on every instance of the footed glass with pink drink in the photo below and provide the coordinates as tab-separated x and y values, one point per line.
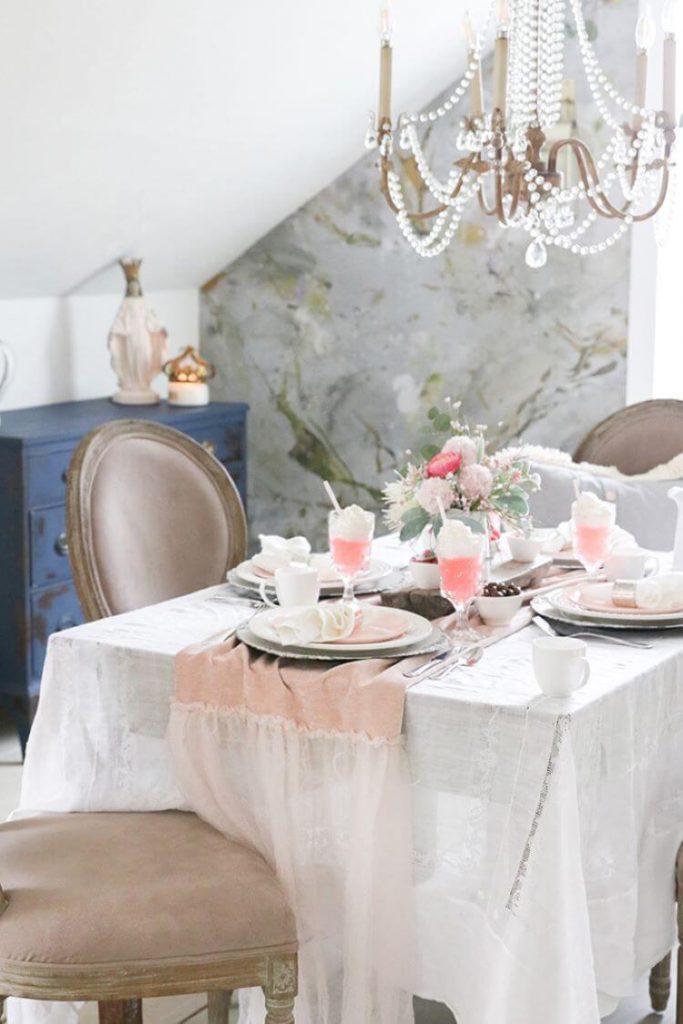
460	554
351	530
592	530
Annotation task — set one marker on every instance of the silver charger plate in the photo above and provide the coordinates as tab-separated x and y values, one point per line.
436	641
543	607
368	583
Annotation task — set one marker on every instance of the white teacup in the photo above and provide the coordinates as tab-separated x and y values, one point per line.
560	665
524	549
630	564
294	585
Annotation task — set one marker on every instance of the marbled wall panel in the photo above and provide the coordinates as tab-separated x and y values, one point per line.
340	338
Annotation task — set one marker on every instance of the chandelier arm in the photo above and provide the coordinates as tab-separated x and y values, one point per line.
587	172
625	211
387	167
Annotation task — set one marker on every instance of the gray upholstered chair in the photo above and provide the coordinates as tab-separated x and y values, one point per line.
119	907
151	515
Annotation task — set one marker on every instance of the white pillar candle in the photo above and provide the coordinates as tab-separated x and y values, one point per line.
188	392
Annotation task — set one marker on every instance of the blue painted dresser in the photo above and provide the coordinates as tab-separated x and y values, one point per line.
37	596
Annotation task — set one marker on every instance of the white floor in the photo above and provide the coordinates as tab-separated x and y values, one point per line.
178	1010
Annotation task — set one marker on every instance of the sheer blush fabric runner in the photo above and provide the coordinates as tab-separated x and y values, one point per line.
308	766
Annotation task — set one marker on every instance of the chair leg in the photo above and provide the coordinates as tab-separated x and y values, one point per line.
3	1015
120	1011
280	989
219	1006
660	984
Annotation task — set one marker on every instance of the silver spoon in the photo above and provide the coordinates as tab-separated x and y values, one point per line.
470	656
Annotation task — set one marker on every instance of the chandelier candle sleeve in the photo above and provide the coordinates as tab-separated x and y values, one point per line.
385	67
476	86
500	70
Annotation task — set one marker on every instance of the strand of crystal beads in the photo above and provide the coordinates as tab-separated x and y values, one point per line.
550	61
523	64
596	77
441	191
425	245
463	85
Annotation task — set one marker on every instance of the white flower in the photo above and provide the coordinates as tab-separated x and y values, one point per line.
429	492
463	446
476	482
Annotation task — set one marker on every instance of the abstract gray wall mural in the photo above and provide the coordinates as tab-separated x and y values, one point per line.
341	338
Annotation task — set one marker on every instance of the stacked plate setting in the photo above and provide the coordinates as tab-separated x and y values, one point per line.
246	576
565	605
414	635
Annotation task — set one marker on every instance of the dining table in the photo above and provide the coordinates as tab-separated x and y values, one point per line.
525	869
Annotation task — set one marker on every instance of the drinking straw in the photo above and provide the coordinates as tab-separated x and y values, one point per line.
332	496
442	511
577	490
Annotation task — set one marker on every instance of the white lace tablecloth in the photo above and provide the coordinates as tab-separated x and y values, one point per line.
544	830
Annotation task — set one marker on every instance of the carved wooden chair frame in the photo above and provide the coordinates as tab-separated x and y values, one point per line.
80	479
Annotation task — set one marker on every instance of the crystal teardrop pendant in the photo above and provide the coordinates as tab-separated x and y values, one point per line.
536	255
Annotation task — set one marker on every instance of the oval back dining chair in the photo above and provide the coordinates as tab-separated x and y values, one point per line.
151	515
124	906
637	438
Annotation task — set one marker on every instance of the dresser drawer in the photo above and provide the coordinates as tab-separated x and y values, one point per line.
225	442
49	553
52	610
46	478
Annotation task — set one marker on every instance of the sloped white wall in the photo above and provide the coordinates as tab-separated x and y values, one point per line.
59	345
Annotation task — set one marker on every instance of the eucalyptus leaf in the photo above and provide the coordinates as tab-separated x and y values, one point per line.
429	451
442	422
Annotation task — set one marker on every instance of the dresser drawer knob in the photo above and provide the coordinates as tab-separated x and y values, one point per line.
209	446
62	545
66	622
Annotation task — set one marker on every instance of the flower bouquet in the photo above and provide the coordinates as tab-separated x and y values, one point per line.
456	472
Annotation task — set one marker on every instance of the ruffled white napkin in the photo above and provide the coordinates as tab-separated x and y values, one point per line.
660	593
321	623
278	553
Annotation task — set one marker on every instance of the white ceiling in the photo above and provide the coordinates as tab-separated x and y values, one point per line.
183	130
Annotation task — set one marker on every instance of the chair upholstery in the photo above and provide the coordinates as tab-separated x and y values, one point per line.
637	438
151	515
99	895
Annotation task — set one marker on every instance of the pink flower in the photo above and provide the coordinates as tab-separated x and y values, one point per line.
429	492
443	464
465	447
476	482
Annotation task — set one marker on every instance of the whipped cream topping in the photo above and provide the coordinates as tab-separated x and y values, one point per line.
457	540
353	523
593	511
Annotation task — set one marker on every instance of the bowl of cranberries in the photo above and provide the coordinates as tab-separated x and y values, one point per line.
498	603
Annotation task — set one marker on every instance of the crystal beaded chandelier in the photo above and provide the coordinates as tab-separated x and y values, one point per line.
519	158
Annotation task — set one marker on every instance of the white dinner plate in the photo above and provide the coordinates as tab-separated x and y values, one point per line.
434	643
573	615
417	630
243	575
565	600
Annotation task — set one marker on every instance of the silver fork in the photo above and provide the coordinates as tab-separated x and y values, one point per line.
588	634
